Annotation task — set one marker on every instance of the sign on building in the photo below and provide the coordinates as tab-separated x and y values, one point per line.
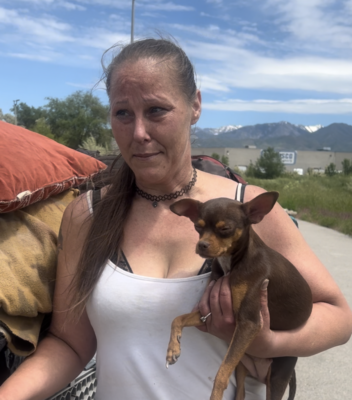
288	157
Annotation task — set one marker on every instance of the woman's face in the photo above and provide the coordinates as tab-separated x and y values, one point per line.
151	120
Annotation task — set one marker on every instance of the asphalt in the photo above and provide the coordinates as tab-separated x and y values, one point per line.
328	375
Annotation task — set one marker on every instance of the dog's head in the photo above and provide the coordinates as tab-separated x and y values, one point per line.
221	222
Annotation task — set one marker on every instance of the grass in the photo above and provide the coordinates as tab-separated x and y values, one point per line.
320	199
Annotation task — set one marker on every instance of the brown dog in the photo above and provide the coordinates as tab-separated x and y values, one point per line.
225	231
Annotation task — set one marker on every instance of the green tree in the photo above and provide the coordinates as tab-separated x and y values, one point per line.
27	116
330	170
250	171
269	165
216	156
346	167
44	129
225	160
78	117
7	117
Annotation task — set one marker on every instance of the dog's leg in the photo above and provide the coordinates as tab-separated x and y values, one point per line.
241	372
281	372
174	349
245	332
247	327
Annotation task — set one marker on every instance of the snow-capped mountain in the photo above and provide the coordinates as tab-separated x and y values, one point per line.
281	135
311	128
227	128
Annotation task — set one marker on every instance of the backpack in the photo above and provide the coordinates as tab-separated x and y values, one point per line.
216	167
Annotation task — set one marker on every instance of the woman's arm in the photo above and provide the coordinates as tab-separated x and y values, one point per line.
69	346
330	323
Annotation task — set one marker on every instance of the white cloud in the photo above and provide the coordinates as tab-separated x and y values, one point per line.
168	7
317	25
43	29
309	106
54	3
233	66
209	84
34	57
141	4
44	38
70	6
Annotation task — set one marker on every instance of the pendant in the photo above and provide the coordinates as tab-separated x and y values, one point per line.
155	204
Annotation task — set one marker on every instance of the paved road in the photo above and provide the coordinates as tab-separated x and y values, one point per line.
328	376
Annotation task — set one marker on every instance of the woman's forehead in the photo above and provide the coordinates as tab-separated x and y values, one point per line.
144	67
145	74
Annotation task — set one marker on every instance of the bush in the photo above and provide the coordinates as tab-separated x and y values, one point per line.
330	170
268	166
346	167
225	160
216	156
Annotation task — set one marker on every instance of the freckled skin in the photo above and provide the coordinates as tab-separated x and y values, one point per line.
151	120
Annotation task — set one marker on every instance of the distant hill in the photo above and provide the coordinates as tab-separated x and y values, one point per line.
281	136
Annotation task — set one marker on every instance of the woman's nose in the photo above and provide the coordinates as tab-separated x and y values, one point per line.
140	133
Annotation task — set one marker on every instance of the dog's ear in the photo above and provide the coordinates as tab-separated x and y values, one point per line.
257	208
187	208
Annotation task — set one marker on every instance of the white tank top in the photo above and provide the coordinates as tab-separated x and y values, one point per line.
131	316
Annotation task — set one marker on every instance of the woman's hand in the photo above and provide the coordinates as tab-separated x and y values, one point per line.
217	300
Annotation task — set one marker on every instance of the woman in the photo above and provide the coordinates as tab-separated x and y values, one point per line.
126	316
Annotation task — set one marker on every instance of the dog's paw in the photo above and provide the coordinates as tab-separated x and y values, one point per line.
174	359
173	352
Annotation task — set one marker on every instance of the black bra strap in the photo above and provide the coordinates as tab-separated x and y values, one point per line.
96	197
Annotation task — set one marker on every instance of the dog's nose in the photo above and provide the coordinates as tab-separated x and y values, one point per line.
203	245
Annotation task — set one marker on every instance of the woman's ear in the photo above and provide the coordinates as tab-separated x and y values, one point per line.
196	107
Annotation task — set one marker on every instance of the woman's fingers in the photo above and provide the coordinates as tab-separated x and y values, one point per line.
204	307
217	301
264	310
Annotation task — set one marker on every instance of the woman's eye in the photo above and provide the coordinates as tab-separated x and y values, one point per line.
154	110
121	113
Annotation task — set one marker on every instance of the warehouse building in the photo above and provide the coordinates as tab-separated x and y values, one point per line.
294	160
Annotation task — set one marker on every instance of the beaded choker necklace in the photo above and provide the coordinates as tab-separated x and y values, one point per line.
155	199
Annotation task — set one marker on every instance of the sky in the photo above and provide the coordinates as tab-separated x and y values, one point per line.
257	61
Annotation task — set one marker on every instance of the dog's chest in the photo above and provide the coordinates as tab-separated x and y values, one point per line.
225	263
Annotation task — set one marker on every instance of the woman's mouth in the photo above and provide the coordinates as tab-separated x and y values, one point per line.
145	155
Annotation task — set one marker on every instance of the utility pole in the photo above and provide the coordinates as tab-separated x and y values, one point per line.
132	22
15	109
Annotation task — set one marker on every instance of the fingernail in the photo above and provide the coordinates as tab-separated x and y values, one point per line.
265	284
212	283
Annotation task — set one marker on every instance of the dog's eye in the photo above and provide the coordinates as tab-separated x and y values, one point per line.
225	229
198	228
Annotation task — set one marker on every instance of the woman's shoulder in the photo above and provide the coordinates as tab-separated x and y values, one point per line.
77	216
213	186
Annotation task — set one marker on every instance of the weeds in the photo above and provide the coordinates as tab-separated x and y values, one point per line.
320	199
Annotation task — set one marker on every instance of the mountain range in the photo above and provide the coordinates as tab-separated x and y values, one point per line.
280	135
